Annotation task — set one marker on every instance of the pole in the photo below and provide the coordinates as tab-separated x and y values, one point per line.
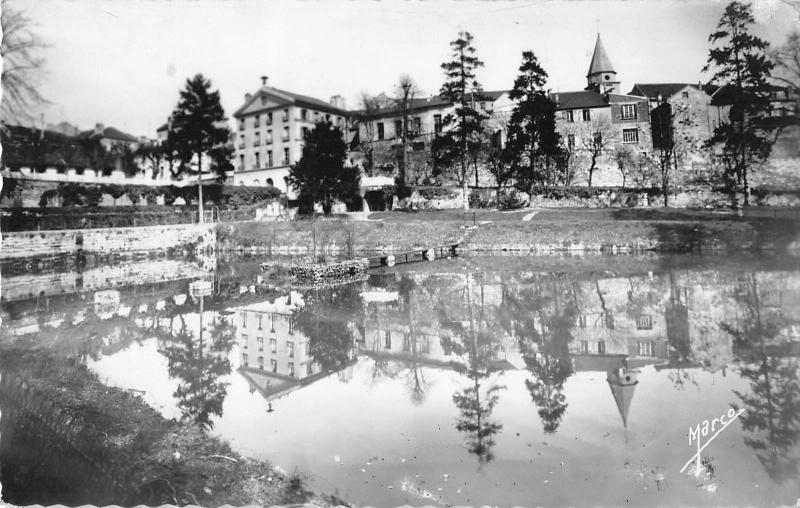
201	219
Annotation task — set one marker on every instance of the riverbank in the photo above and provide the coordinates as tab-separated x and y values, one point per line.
536	231
109	447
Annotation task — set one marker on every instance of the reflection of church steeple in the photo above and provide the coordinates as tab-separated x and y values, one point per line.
623	383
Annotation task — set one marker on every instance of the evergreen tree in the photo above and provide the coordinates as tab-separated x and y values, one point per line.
198	127
532	129
740	65
321	175
462	130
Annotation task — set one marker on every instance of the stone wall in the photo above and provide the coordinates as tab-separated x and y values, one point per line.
106	240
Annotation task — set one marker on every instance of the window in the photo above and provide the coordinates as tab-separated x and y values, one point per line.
273	346
291	369
628	111
305	132
256	138
645	347
261	362
569	115
609	320
630	135
380	130
303	114
285	156
241	161
256	121
285	115
291	325
260	343
585	346
286	133
644	323
241	141
243	315
273	364
244	341
268	139
417	125
398	128
406	343
685	95
272	323
571	140
601	347
244	359
258	160
241	124
269	158
328	118
387	340
269	118
290	347
437	123
309	370
587	115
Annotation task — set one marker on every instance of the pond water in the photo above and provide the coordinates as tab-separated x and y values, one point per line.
471	381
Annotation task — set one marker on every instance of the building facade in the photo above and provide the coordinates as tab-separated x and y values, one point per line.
270	130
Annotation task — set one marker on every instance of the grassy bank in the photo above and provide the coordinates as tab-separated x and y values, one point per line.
149	459
542	231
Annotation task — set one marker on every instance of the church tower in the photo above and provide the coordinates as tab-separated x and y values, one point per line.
601	77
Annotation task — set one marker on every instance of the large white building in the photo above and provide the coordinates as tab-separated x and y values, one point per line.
270	133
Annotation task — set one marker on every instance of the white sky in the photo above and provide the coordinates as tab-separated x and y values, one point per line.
122	63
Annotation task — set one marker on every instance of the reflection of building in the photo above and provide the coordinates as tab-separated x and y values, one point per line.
275	357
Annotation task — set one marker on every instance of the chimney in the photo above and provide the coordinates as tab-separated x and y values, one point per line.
247	96
264	80
337	101
99	129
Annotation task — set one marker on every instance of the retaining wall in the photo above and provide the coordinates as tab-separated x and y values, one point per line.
106	240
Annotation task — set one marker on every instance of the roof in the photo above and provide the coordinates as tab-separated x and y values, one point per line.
653	90
434	101
163	127
112	133
726	94
289	97
580	100
600	61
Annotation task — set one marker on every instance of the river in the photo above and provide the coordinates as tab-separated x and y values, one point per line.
477	380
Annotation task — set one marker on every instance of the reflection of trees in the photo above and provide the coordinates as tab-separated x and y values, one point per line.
772	406
198	365
677	321
325	318
544	317
476	401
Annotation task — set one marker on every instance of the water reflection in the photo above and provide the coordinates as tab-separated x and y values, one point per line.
482	334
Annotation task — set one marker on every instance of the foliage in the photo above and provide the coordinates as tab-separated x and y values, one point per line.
198	127
323	318
662	120
405	91
510	200
740	65
22	65
321	175
462	131
787	60
532	137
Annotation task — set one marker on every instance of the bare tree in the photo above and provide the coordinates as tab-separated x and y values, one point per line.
405	92
787	60
22	66
369	105
624	159
597	139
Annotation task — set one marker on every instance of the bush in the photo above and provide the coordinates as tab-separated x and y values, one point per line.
510	200
479	199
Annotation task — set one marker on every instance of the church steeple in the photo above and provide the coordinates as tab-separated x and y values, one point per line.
601	77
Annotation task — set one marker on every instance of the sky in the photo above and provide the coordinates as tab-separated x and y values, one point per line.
123	62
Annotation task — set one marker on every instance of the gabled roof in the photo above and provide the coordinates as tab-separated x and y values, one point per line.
600	61
653	90
434	101
288	98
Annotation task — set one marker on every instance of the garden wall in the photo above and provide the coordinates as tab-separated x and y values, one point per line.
108	240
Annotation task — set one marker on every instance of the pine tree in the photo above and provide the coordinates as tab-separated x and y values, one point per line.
741	68
532	129
321	176
198	127
462	130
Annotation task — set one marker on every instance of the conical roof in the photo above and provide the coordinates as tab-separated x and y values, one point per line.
622	389
600	61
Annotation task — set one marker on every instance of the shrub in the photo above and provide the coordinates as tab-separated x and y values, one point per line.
510	200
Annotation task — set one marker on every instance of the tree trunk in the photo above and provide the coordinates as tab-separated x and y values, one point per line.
201	218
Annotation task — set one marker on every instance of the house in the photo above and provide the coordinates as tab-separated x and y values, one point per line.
600	111
111	137
378	132
270	133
